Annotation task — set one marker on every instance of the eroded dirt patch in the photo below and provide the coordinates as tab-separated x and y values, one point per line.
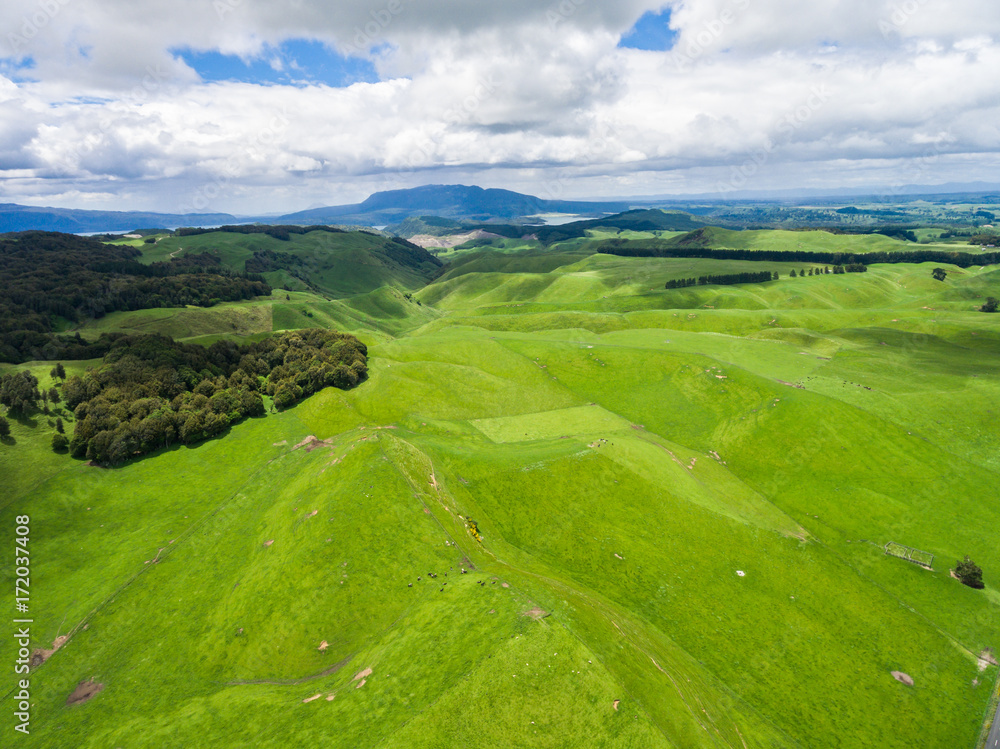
40	655
362	674
903	678
536	613
84	691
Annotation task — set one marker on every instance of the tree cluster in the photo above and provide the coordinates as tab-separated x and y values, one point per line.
265	261
726	279
151	391
46	275
660	248
19	392
969	573
278	231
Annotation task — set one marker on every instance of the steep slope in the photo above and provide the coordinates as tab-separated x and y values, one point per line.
336	263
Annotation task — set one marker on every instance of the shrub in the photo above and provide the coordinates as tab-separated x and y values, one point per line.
969	573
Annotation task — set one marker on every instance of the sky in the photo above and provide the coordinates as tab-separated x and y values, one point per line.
271	106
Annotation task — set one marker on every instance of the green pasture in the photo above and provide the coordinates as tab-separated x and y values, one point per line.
682	501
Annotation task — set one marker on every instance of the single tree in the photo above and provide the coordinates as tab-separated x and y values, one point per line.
4	427
59	426
54	395
939	273
991	304
59	442
969	573
792	274
776	275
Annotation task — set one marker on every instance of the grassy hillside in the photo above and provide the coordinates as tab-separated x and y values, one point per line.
670	508
335	264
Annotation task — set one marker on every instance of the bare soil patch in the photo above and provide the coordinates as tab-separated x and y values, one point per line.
617	702
986	659
314	697
84	691
903	678
536	613
317	444
40	655
362	674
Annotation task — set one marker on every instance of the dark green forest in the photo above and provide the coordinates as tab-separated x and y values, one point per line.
150	391
45	277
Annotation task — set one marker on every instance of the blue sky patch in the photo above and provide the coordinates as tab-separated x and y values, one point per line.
295	62
17	70
651	32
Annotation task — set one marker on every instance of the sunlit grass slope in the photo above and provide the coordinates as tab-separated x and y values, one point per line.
338	264
670	506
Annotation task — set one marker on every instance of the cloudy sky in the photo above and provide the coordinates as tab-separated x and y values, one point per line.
276	105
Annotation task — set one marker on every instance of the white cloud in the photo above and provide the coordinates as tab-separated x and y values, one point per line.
518	93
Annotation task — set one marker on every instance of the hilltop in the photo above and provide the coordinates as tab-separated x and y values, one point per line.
447	201
326	260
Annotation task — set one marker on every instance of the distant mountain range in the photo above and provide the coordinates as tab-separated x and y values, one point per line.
456	202
14	217
469	203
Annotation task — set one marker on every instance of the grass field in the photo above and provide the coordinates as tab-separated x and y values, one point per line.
683	500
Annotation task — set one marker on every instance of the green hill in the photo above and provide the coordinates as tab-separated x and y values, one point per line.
567	508
787	241
334	263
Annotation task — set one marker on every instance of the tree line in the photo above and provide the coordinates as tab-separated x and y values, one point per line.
656	248
151	391
278	231
45	276
726	279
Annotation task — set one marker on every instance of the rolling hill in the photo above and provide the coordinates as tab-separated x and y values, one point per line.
568	508
331	262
